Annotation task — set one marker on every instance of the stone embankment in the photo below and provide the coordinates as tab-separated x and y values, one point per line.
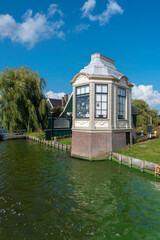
141	165
51	143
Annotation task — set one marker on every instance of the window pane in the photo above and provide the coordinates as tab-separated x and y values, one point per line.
104	97
104	88
121	92
98	97
98	88
98	105
98	113
87	89
82	90
104	112
78	91
104	105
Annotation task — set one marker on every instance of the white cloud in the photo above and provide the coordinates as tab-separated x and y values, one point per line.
88	7
53	8
81	27
53	95
33	28
113	8
146	93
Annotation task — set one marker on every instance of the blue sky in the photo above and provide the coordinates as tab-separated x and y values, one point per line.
56	38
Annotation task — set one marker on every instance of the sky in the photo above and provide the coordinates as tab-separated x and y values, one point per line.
57	37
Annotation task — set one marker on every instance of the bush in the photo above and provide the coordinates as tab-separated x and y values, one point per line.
143	139
144	129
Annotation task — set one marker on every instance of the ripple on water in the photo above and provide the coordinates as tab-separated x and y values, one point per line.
44	194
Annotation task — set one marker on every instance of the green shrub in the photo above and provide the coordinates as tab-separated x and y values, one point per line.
142	139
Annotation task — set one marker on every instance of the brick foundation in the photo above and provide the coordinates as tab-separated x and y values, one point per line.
96	145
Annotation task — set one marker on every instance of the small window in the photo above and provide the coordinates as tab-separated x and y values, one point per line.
101	101
82	102
121	103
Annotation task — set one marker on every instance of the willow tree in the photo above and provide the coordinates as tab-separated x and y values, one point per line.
22	103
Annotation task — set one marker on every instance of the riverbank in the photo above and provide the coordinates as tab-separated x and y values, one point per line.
54	144
148	151
143	166
130	161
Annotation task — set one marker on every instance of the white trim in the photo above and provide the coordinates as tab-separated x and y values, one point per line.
50	102
66	105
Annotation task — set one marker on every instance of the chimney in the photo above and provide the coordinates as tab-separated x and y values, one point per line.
66	98
63	102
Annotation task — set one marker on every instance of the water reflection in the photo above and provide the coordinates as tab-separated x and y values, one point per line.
44	194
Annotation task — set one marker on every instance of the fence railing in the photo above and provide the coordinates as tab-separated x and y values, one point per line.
58	127
17	131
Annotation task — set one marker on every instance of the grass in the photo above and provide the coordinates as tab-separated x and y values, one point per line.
67	141
148	150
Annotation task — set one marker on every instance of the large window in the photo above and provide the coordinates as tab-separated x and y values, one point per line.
121	103
82	102
101	101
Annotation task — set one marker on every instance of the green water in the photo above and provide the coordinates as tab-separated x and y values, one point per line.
44	194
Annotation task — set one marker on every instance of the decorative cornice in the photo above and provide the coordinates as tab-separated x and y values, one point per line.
102	78
77	75
127	81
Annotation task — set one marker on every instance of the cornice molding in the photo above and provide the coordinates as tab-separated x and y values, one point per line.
102	78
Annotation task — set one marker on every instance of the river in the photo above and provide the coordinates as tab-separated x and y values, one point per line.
45	194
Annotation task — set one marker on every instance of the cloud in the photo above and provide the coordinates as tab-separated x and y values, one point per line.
81	27
88	7
146	93
33	28
53	8
113	8
53	95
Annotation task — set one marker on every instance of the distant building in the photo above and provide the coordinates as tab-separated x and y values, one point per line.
58	102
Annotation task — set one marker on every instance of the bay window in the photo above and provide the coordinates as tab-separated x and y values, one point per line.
121	103
101	101
82	101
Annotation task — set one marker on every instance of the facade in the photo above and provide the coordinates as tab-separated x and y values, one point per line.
102	120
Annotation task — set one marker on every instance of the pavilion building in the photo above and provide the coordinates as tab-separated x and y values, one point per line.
102	120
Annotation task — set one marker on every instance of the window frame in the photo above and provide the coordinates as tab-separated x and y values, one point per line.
101	101
82	94
121	104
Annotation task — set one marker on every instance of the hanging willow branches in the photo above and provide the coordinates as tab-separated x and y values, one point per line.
22	103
